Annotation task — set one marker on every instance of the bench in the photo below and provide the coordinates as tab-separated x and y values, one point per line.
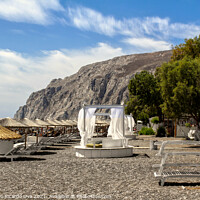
162	174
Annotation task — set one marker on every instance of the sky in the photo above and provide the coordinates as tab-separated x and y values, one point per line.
41	40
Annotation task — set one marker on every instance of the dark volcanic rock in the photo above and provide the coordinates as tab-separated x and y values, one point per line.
99	83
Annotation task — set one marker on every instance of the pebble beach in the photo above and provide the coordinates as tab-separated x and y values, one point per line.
59	174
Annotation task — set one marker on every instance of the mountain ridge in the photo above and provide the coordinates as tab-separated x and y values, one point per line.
97	83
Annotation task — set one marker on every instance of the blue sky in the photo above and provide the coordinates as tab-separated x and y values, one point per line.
45	39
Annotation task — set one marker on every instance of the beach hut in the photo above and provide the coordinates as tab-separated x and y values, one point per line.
6	139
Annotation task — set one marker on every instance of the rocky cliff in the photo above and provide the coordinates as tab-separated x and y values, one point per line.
99	83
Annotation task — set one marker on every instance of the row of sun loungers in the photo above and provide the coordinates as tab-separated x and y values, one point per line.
19	149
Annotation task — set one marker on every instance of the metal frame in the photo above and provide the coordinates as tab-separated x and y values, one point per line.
163	175
103	114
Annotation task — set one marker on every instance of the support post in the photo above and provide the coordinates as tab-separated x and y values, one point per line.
175	128
131	123
84	117
37	136
123	122
25	139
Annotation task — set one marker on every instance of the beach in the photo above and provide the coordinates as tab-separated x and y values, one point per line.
64	176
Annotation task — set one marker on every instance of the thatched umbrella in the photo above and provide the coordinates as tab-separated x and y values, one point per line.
28	123
74	123
63	124
41	123
66	123
6	139
70	123
9	122
101	122
53	122
59	122
6	134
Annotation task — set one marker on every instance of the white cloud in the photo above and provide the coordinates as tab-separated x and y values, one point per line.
88	19
30	11
21	74
146	44
159	28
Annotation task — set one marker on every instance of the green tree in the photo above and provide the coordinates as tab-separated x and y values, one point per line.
180	87
144	97
179	81
191	49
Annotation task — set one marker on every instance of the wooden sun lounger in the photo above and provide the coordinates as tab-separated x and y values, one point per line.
162	175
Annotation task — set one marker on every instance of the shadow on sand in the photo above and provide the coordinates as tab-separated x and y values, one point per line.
21	158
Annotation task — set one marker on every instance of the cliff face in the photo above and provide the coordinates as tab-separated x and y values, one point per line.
99	83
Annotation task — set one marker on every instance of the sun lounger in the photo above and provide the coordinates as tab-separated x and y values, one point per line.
162	174
11	154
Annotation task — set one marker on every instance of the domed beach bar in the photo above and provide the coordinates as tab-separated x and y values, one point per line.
114	145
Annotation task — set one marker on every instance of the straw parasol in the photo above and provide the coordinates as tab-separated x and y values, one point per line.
53	122
6	134
59	122
72	122
9	122
66	123
41	123
101	122
28	123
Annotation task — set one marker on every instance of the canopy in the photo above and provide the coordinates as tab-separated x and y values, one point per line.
117	123
129	124
86	121
86	124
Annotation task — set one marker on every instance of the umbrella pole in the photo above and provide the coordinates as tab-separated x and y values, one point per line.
37	136
25	138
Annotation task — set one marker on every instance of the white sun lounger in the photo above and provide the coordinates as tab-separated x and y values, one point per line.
162	174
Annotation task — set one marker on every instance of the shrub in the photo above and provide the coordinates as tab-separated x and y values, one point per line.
188	125
155	120
161	132
146	131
